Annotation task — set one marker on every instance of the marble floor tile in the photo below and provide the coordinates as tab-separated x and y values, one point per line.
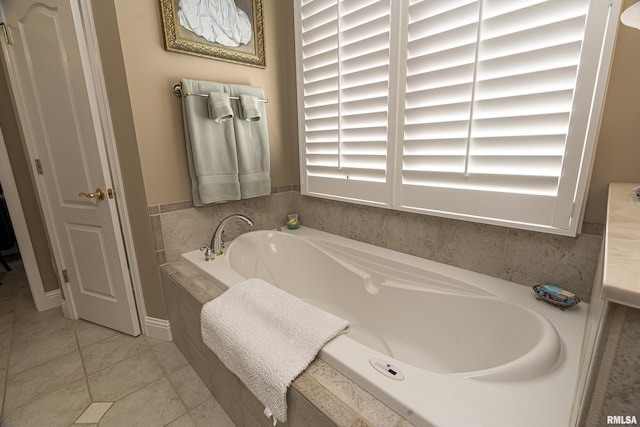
59	408
94	413
210	413
183	421
7	307
4	359
169	356
5	340
124	377
36	327
153	341
27	322
189	386
29	353
24	310
156	404
89	333
3	378
6	324
43	379
111	351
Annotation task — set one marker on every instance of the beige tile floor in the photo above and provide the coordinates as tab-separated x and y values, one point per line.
53	369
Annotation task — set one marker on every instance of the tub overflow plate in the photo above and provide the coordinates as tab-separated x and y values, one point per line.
386	369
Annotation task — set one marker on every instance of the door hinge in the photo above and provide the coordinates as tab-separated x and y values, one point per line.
6	32
65	275
39	166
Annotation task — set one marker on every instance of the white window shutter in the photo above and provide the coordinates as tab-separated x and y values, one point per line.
345	61
506	74
484	110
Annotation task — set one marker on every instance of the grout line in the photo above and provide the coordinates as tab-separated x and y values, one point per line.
6	368
84	368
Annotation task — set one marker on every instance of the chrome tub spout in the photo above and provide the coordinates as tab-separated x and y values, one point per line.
216	246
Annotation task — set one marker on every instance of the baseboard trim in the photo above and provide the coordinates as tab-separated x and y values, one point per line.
65	309
158	328
52	299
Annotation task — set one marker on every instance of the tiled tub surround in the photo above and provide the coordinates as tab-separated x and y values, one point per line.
319	397
519	256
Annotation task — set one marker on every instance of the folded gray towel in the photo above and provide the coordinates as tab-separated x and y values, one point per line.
211	147
252	144
250	110
219	107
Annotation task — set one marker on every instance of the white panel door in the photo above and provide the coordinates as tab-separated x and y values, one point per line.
56	101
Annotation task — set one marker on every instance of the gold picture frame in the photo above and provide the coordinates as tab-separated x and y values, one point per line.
180	38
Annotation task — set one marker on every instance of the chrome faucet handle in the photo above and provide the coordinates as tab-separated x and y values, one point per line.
208	253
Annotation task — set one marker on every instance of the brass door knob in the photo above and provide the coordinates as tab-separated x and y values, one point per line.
98	194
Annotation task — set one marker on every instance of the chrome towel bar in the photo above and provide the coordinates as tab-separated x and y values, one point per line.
177	91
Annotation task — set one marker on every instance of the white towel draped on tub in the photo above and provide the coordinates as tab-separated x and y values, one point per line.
211	147
252	142
267	337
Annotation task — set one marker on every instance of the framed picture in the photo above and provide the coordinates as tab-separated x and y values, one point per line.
228	30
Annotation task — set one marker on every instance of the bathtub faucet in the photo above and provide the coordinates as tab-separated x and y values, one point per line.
215	248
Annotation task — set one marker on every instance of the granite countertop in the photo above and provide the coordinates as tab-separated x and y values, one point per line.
621	281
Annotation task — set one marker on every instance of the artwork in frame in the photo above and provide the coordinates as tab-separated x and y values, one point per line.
228	30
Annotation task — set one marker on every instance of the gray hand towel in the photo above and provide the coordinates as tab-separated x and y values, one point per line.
250	110
219	106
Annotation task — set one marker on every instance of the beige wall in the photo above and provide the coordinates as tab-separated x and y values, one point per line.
618	152
151	71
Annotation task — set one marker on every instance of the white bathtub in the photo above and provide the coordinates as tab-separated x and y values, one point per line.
440	345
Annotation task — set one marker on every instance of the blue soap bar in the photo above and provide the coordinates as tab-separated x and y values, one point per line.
555	295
